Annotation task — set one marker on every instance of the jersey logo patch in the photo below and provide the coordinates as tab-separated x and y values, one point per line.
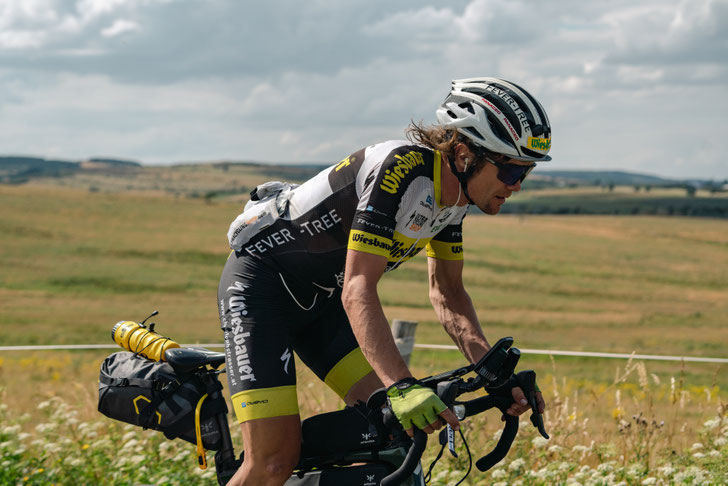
405	163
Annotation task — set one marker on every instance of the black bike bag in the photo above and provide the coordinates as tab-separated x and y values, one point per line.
149	394
338	432
364	475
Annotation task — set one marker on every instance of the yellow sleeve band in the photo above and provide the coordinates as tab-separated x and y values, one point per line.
445	250
265	403
369	243
352	368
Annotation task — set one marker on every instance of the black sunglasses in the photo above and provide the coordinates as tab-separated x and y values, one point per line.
510	174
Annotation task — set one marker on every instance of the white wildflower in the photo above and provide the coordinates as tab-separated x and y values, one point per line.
5	444
129	436
606	467
498	474
721	441
44	405
10	429
73	461
501	483
131	444
712	424
698	455
564	466
667	470
517	464
714	453
23	435
43	428
539	442
497	434
137	459
696	447
649	481
52	448
554	448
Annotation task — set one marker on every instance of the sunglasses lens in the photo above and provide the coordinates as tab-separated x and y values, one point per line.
510	174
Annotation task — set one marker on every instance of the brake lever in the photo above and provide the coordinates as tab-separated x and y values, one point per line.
527	380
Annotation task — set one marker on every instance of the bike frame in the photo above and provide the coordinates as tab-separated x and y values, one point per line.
395	459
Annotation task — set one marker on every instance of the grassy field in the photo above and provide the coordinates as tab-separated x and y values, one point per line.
73	262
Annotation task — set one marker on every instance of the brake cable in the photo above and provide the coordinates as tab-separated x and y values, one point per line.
428	476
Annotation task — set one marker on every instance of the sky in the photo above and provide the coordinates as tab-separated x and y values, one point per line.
637	86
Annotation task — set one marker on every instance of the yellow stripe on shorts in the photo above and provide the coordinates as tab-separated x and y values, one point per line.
265	403
352	368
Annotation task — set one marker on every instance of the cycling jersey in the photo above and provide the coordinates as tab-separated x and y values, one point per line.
290	251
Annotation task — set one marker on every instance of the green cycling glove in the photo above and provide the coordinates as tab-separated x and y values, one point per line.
414	404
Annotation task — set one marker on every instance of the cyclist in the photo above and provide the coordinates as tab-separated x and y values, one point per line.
307	259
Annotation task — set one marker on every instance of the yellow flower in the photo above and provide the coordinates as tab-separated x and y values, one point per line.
617	412
40	470
85	446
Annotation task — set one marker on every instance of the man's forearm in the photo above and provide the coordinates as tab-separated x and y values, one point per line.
457	315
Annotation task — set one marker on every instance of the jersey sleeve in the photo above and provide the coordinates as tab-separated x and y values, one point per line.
448	243
372	229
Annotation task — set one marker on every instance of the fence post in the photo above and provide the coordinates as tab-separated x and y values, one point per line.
404	337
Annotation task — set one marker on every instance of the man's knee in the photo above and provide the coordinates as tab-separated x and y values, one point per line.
274	468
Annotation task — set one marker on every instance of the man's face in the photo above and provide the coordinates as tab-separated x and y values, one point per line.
488	192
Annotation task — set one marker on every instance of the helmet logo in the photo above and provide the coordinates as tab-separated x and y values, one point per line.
540	144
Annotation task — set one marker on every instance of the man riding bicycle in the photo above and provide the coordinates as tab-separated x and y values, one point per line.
307	259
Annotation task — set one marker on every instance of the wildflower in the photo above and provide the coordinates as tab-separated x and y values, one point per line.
84	447
554	448
132	443
43	428
129	436
539	442
696	447
498	474
10	429
721	441
714	453
698	455
712	424
606	467
52	448
137	459
5	444
23	436
44	405
649	481
517	464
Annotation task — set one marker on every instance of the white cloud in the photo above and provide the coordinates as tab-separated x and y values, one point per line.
120	26
293	81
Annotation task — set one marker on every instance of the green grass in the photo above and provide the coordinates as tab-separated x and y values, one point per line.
75	262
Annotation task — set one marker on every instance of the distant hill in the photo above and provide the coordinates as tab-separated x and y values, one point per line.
601	177
17	170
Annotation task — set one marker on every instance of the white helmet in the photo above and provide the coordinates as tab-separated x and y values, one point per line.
499	116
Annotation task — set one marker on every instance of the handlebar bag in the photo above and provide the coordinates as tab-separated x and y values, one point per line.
149	394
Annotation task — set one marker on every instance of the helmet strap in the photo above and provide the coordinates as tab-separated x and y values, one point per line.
462	177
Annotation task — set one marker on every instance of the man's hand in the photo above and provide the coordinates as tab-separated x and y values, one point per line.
417	405
521	405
